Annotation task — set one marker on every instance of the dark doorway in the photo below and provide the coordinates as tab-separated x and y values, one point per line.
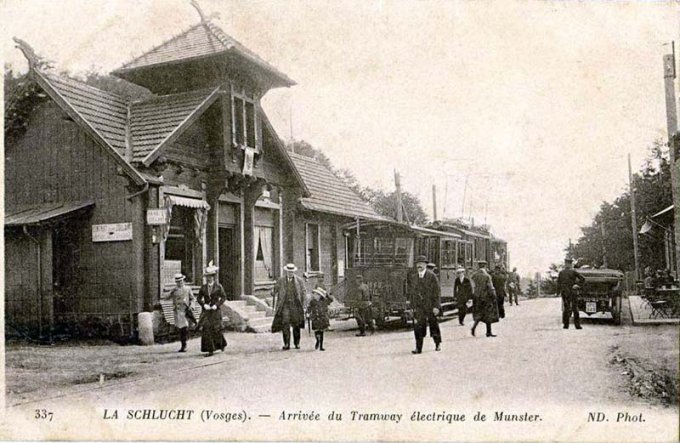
65	263
229	269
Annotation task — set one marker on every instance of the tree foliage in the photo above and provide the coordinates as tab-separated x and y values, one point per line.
610	232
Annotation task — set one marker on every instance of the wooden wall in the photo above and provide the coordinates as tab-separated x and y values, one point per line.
57	161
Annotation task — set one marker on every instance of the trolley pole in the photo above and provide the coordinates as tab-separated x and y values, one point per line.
434	203
633	220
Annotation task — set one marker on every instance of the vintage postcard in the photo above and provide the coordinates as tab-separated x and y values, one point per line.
380	220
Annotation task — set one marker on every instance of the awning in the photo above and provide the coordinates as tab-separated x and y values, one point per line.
44	213
670	208
187	202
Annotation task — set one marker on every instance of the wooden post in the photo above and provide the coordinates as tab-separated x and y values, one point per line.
434	202
397	184
633	220
673	143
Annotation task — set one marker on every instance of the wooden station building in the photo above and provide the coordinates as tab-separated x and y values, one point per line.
107	198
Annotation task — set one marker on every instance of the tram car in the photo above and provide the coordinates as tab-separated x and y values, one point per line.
383	252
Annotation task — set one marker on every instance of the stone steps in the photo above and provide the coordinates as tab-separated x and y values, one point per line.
249	314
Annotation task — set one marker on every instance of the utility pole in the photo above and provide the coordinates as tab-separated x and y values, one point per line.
633	219
434	203
604	247
669	75
462	211
397	184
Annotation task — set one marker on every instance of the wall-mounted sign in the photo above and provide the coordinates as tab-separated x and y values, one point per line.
156	216
112	232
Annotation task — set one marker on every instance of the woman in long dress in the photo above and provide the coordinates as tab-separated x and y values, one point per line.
211	296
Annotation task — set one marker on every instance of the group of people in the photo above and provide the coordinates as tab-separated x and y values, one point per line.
483	294
211	296
659	279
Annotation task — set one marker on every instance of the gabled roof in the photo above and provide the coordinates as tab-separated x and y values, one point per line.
201	40
97	112
328	192
159	120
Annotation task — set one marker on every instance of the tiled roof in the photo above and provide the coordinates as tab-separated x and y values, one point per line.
328	192
154	120
106	112
201	40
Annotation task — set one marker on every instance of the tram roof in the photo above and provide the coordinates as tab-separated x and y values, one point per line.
404	226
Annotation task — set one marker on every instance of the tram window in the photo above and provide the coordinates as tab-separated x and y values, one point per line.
448	253
383	254
403	253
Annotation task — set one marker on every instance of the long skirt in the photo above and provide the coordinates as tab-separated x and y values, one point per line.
212	338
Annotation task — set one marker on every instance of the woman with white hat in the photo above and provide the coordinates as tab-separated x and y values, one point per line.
182	297
211	296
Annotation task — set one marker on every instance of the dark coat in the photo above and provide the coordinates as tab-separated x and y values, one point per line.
485	305
462	291
211	320
298	302
318	313
499	280
568	278
424	294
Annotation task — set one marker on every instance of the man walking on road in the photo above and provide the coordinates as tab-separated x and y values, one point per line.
499	278
364	314
513	287
426	303
289	293
485	303
462	293
568	281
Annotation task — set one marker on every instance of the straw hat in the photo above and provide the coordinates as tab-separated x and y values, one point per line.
179	277
319	291
290	267
211	269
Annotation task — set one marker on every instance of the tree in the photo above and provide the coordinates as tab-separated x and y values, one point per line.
115	85
531	290
385	203
610	233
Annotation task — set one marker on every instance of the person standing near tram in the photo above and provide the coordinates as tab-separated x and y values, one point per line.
513	287
462	293
424	294
290	297
364	314
485	302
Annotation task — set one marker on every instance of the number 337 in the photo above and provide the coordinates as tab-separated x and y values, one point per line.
43	414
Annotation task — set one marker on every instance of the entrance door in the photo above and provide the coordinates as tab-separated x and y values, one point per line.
65	263
229	272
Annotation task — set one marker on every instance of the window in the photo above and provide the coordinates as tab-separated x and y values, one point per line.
312	248
244	121
264	253
448	253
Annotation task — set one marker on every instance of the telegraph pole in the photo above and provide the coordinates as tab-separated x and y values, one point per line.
633	220
669	75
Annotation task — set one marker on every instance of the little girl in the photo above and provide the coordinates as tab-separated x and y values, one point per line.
318	313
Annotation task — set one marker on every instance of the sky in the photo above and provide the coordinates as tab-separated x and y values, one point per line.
535	105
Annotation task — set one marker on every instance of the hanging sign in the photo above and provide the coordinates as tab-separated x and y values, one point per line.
248	161
112	232
156	216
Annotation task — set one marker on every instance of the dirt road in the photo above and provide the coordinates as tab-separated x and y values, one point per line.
534	371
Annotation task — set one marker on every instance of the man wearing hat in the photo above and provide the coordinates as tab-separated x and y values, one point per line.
567	279
462	293
182	297
211	296
289	293
513	286
485	303
426	303
364	314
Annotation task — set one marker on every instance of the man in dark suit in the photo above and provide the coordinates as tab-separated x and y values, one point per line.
426	303
364	314
566	280
289	294
462	293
